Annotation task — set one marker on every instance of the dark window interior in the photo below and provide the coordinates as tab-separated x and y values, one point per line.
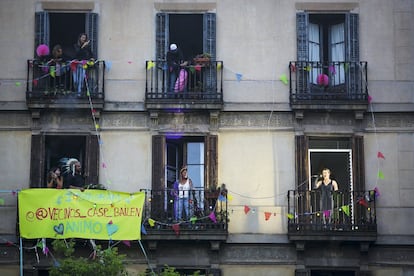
65	29
59	146
186	30
332	273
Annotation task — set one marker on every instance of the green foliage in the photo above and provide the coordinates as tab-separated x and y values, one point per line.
107	262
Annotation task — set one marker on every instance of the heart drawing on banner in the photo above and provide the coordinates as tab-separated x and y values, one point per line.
59	228
111	228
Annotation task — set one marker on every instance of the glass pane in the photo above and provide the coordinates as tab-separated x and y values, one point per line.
195	163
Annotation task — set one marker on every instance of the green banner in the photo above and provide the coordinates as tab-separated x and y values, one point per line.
71	213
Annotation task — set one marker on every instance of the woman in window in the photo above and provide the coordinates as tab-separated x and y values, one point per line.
54	179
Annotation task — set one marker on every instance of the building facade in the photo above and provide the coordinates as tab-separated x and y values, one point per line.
272	93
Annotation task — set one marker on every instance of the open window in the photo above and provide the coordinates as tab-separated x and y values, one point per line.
195	34
63	28
169	154
328	52
47	150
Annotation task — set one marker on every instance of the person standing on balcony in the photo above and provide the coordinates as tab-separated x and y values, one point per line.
83	53
182	188
75	179
327	187
175	61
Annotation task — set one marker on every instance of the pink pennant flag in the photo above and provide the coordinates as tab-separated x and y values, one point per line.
246	209
380	155
127	243
327	213
293	67
369	99
176	228
212	216
103	165
267	215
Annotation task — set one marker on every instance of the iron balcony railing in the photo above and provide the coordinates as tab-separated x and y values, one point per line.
65	80
351	213
328	82
203	83
202	212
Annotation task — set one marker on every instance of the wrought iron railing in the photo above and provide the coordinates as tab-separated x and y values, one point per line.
203	210
203	82
351	211
333	82
70	79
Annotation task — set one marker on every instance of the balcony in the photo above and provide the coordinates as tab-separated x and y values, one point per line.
328	86
352	217
71	84
203	89
207	216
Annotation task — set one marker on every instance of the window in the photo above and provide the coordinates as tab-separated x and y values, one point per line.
327	45
64	28
169	153
343	156
195	34
47	150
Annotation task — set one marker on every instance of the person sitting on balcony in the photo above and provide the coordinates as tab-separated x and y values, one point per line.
83	53
327	186
54	179
181	189
175	61
58	68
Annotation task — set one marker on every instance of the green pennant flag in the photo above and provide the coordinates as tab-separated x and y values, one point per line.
345	209
380	175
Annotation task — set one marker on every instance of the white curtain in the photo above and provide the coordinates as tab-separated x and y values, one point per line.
314	49
337	50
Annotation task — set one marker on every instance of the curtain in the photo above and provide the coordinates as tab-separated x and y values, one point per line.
314	50
337	50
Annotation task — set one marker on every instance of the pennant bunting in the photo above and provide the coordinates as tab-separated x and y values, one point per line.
290	216
176	228
377	193
345	209
212	216
267	215
143	230
327	213
239	77
283	78
380	155
246	209
380	175
151	222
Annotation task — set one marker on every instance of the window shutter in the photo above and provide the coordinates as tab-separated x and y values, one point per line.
358	163
158	162
209	46
161	35
211	161
209	34
41	29
352	53
352	25
91	27
92	160
301	161
302	41
37	162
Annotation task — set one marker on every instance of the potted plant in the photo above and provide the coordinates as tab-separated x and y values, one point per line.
202	59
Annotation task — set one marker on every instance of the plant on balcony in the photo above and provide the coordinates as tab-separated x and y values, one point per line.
202	59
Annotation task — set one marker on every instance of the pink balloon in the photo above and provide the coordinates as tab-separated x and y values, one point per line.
322	79
42	50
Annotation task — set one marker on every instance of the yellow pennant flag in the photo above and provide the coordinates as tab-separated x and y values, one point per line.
92	214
